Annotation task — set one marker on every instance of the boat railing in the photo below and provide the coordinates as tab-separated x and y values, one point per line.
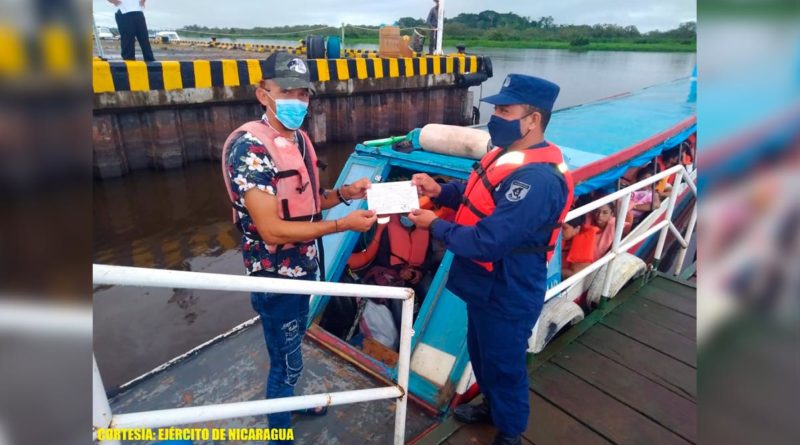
683	179
103	418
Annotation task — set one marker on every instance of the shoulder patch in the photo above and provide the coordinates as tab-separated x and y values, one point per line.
517	191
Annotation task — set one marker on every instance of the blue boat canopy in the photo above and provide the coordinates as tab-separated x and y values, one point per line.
593	131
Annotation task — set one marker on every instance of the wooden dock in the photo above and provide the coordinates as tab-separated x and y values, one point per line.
624	375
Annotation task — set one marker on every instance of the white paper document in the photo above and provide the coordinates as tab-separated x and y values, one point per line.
392	197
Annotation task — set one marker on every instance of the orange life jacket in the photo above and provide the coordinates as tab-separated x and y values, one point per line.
581	247
360	260
407	246
298	197
493	168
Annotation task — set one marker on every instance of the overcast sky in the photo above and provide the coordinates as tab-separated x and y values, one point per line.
171	14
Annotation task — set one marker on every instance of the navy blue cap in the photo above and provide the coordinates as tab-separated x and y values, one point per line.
522	89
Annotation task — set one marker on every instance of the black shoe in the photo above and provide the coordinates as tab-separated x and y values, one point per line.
502	439
314	412
474	413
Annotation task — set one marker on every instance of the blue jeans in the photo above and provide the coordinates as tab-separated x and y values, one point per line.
284	318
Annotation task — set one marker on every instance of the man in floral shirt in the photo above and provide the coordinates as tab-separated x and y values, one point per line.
250	166
273	181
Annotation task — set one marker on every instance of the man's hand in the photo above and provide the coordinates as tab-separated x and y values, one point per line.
358	220
141	3
422	218
426	186
410	275
356	190
115	2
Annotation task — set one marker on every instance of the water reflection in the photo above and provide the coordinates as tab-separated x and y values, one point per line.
584	76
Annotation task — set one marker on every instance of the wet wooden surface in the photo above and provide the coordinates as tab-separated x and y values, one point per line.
626	375
235	370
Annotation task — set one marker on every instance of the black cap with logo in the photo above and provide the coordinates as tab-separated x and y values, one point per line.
288	71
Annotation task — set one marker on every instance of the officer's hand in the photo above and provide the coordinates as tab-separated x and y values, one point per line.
422	218
356	190
426	186
358	220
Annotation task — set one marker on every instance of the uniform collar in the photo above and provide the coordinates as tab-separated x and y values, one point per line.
539	145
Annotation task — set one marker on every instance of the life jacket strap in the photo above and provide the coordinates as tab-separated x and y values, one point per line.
471	207
287	174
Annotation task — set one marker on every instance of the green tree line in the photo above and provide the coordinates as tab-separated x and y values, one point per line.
508	29
491	25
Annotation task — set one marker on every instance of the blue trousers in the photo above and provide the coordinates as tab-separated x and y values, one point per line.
497	348
284	319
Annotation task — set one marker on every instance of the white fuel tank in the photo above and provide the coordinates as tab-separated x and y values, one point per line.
454	140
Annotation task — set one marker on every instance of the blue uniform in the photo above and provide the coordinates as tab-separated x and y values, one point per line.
504	304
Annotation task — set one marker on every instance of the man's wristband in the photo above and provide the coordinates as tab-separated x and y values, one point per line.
341	198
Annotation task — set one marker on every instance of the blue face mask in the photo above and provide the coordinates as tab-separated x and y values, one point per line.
291	112
406	222
504	132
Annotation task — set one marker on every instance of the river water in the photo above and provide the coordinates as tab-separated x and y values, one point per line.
181	219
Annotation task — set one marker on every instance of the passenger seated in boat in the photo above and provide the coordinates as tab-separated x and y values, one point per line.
406	251
398	255
578	246
689	146
644	201
669	158
605	221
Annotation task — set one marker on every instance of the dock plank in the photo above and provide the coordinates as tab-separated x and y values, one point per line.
477	435
663	316
548	425
675	285
472	435
645	396
672	374
655	336
625	375
672	300
613	419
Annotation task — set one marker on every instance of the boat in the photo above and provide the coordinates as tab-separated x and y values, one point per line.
168	36
601	141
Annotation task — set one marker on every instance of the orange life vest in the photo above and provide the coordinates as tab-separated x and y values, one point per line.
298	195
408	247
581	247
360	260
493	168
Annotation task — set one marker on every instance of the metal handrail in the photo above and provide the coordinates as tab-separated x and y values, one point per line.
618	247
102	417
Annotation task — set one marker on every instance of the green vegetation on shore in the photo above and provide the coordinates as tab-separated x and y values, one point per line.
490	29
544	44
484	43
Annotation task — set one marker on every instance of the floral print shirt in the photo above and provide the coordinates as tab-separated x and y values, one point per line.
250	166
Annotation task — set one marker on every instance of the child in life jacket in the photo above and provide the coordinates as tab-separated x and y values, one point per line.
398	255
644	200
577	246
